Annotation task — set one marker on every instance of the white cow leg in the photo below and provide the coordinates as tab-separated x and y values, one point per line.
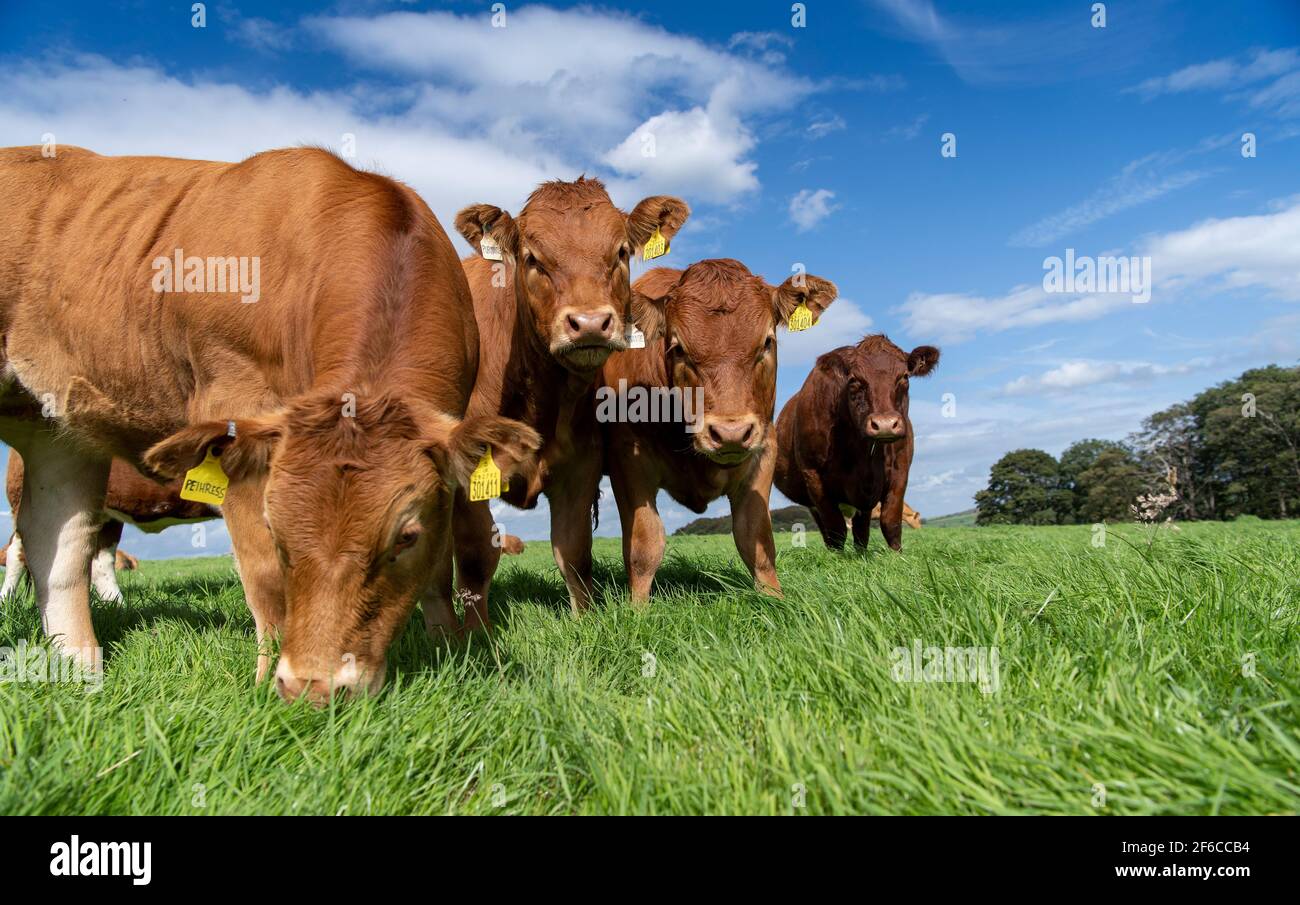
103	569
103	574
14	567
59	519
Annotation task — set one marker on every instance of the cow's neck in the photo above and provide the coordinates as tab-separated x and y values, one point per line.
536	389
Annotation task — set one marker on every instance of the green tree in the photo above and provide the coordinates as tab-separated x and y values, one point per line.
1024	489
1077	459
1110	485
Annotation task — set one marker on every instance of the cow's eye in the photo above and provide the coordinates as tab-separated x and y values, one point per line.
624	254
768	345
534	264
406	539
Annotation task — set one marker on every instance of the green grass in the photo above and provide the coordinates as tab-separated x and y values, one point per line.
1119	666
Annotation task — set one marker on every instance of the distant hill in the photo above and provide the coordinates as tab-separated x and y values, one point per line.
782	520
964	519
785	518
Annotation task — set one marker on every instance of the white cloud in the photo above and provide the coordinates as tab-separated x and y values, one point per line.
1237	252
694	154
589	83
822	126
908	131
1261	251
1221	74
955	316
1139	182
843	323
1073	375
810	207
1133	187
116	109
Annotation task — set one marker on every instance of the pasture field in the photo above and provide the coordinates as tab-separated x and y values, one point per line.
1132	679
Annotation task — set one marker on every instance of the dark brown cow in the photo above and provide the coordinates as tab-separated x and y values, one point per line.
130	498
330	379
549	312
845	440
711	331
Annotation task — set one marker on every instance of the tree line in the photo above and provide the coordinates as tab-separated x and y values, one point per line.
1234	449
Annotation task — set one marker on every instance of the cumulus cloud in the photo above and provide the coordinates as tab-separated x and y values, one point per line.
116	109
590	82
811	206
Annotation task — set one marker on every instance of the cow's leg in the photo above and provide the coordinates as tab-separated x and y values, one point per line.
643	531
14	567
861	528
439	615
59	516
477	555
751	527
891	518
259	567
571	495
826	512
103	569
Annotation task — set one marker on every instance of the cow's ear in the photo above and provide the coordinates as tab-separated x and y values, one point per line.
479	220
922	360
514	448
802	289
649	296
662	212
245	450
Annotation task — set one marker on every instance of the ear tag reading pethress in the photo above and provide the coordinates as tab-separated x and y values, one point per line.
485	481
655	247
800	319
491	250
206	482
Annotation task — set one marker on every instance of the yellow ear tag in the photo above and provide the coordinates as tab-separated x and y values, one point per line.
655	247
485	481
206	482
800	319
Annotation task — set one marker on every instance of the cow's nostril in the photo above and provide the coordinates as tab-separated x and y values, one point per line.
605	324
714	435
574	327
749	432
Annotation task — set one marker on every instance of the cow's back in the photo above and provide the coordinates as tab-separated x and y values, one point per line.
79	276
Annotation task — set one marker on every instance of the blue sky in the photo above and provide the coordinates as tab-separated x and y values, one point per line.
818	145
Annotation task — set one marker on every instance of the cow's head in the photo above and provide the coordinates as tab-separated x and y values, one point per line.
570	249
873	377
358	505
718	326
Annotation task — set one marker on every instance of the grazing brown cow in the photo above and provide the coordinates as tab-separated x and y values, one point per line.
317	334
911	518
844	440
549	312
131	498
511	545
711	336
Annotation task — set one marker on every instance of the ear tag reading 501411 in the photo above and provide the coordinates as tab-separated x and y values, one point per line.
485	481
800	319
206	482
655	247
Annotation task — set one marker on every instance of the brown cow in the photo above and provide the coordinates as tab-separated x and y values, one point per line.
549	314
711	330
844	440
511	545
130	498
331	382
